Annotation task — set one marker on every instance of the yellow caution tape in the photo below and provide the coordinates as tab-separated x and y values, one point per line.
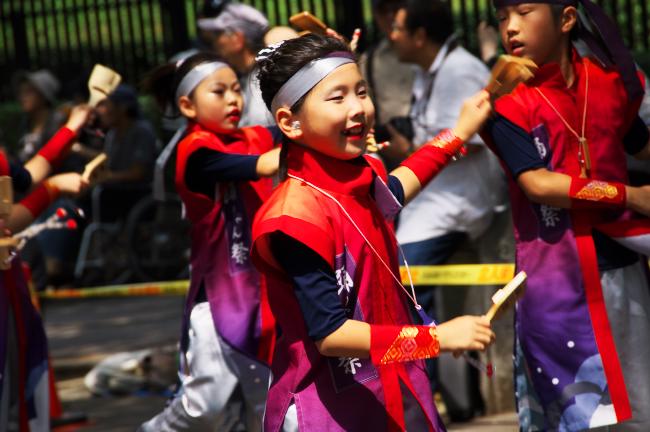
457	274
141	289
460	274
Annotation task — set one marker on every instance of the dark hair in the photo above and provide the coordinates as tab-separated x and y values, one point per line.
434	16
289	58
126	97
283	63
163	81
386	6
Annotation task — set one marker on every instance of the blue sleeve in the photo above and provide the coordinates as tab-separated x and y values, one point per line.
514	146
206	167
21	179
314	284
637	137
396	188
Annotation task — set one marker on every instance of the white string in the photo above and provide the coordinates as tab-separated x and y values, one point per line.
410	295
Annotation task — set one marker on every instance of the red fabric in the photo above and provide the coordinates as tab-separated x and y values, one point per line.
4	164
609	115
205	213
254	140
21	337
587	194
268	335
528	110
630	228
310	217
598	314
430	159
40	199
58	147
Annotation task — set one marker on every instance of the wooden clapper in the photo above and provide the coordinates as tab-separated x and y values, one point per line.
508	73
102	82
6	203
506	296
94	169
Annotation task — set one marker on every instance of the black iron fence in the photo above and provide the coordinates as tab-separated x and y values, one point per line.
132	36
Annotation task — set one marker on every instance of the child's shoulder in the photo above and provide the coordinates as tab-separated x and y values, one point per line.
516	105
294	199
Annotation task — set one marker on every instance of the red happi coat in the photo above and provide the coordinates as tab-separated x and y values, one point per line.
344	394
220	242
564	298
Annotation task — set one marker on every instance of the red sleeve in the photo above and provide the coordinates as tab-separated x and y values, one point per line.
297	213
40	198
4	164
58	147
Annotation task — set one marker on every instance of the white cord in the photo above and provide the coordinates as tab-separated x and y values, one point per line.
345	212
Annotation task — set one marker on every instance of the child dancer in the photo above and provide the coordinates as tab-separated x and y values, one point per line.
583	326
222	176
349	358
24	378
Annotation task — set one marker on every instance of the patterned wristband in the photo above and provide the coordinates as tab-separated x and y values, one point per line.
448	141
586	193
391	344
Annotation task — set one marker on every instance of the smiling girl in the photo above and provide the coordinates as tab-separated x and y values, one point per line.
349	357
222	176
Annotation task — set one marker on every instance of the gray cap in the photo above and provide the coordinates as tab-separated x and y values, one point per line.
44	82
236	17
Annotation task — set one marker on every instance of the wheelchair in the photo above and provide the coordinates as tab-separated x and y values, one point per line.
151	242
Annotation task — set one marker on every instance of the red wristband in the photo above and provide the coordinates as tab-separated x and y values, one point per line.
432	157
586	193
390	344
40	198
58	147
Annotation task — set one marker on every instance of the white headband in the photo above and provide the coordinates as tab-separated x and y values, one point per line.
306	79
195	76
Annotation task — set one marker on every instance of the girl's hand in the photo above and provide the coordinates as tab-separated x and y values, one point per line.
68	183
473	114
78	118
465	333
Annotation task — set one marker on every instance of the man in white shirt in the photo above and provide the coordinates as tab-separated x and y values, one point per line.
458	204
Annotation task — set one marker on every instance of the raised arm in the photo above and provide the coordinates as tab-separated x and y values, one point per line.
423	165
58	147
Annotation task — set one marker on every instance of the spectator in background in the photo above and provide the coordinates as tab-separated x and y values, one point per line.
238	34
37	93
459	203
390	80
131	147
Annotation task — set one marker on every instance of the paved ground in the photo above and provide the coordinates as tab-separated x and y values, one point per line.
83	332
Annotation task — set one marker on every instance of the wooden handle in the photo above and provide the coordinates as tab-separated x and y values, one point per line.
507	295
93	166
9	242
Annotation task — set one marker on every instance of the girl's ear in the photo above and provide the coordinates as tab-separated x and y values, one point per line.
569	19
287	123
187	107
